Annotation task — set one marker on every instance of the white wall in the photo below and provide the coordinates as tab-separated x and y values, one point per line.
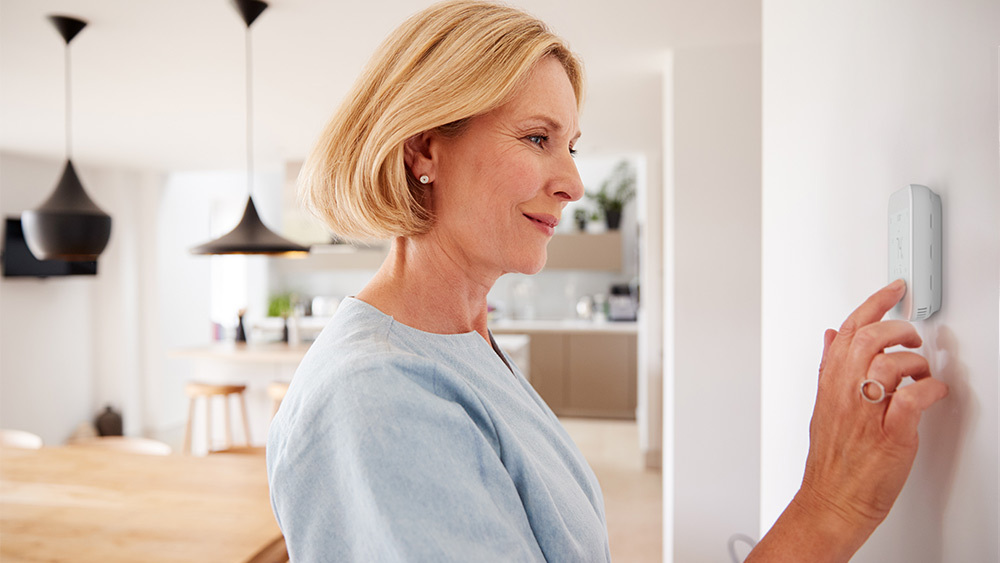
860	99
713	300
68	346
180	286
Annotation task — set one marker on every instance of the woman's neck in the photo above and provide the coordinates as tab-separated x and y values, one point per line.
424	287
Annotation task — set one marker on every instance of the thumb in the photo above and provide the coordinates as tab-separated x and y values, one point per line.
908	404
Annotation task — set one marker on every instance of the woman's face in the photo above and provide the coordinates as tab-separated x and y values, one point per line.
499	187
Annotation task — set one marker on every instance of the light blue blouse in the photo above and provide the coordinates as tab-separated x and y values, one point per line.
395	444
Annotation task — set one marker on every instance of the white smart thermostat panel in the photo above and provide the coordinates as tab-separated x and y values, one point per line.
915	250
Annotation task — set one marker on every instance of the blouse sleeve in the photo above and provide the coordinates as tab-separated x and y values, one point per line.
383	464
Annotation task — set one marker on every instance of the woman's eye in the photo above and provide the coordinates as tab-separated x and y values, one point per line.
572	152
537	139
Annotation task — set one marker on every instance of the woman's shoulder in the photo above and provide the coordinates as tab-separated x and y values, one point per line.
359	378
359	353
362	340
365	366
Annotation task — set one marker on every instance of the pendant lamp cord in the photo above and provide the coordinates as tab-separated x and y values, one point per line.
249	115
69	144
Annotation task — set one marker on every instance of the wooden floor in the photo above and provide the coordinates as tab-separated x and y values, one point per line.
632	494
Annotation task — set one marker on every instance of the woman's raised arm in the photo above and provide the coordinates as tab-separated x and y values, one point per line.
862	438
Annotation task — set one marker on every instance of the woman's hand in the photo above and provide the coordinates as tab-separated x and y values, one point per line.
860	452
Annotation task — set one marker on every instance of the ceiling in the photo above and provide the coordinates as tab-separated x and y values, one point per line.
160	85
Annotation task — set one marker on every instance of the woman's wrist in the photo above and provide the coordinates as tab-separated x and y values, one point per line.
812	530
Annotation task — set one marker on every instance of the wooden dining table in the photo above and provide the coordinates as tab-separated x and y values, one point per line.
83	504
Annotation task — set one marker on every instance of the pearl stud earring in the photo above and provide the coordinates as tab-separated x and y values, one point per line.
424	179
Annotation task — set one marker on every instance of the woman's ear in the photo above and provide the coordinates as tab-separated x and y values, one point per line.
418	156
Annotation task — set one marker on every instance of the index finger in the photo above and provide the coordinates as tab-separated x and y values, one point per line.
874	308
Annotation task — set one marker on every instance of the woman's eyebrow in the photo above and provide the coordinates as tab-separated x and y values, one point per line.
552	123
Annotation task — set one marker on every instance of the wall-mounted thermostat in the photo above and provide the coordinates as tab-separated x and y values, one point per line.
915	250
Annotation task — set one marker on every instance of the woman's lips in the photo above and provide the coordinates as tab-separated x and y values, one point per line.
545	222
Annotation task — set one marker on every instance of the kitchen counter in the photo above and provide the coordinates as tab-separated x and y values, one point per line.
283	353
564	326
263	353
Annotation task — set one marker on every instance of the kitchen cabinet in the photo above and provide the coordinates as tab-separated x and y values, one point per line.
585	373
600	376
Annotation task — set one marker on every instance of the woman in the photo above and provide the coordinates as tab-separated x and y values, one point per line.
407	433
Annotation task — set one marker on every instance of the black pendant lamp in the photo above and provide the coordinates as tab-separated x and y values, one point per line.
68	225
251	236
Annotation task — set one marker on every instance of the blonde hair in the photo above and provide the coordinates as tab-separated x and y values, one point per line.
452	61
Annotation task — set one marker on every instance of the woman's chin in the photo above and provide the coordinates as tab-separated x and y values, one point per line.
533	266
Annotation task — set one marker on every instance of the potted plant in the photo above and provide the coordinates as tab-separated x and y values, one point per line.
595	226
617	190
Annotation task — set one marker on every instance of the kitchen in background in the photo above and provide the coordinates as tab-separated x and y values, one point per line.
579	267
571	328
72	345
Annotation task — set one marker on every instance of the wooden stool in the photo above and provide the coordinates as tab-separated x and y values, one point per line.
276	391
207	391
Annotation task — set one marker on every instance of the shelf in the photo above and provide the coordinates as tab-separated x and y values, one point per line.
327	257
583	251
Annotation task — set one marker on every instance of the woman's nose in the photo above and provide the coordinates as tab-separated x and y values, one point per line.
568	185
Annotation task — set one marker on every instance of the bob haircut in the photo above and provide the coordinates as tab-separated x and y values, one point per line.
451	62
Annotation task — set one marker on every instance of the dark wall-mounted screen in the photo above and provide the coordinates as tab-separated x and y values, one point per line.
17	261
